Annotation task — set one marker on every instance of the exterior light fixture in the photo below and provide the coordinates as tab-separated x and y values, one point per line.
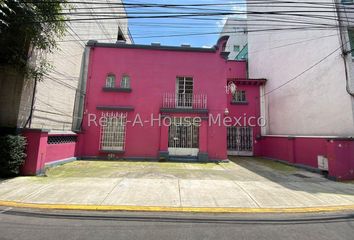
226	112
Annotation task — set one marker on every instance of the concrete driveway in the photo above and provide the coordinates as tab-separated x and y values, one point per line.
241	183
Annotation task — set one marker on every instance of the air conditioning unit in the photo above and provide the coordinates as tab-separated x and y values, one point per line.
322	163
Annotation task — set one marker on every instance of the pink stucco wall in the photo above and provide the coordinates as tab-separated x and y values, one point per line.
153	73
62	151
36	151
304	151
299	150
39	152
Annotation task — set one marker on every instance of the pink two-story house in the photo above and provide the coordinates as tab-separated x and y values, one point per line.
164	102
153	102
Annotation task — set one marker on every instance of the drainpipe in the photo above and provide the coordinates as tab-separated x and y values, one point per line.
344	51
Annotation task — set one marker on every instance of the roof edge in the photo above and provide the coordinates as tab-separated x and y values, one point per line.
94	43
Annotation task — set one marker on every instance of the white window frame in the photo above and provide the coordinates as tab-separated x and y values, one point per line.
237	48
184	99
111	81
125	82
240	96
113	131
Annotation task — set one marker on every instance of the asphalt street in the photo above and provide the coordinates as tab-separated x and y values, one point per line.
68	225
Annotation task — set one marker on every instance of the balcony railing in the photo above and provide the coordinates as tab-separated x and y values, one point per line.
191	101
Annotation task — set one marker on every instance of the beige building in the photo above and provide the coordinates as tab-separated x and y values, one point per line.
236	29
308	64
54	96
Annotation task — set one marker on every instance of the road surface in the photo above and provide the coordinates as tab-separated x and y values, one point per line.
35	225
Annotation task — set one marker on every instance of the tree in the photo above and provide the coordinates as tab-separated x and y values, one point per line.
27	27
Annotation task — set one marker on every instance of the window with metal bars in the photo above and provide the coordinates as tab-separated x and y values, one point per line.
125	83
113	132
184	92
239	97
110	81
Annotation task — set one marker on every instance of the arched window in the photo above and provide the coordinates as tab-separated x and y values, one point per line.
125	83
110	81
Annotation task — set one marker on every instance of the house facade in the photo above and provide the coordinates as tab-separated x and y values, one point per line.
161	102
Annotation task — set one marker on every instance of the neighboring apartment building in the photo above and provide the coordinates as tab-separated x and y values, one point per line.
145	90
236	29
308	63
55	95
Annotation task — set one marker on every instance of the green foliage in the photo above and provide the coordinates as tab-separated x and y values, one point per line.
28	27
12	155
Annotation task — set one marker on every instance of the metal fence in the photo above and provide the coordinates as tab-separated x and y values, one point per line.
193	101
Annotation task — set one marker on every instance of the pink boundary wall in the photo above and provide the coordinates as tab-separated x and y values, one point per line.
294	150
304	151
40	153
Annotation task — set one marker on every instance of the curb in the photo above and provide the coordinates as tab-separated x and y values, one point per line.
175	209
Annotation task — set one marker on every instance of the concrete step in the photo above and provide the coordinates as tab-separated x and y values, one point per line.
183	158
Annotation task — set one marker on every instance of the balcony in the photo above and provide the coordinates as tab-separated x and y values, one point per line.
191	103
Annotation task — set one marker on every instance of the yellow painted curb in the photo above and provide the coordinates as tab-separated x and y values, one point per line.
175	209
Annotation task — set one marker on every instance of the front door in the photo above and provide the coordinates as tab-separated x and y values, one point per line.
183	138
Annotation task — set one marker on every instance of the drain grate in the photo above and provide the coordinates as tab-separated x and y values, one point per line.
300	175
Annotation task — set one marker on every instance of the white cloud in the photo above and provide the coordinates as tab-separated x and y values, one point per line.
238	8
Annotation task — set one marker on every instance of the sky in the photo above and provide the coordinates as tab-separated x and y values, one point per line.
146	31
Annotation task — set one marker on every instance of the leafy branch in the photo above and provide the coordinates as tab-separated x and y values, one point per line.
29	30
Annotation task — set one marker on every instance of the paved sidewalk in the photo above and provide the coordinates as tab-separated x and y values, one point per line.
245	183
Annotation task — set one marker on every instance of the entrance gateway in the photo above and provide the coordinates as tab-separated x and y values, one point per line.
240	141
183	139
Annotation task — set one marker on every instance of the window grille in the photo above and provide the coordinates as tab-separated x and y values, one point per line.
125	83
184	92
239	96
110	81
60	139
113	131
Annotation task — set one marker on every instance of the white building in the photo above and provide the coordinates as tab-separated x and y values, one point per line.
307	62
236	28
55	95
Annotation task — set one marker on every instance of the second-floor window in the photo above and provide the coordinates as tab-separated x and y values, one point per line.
110	81
184	91
239	96
125	83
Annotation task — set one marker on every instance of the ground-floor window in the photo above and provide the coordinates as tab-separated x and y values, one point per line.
240	140
113	131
